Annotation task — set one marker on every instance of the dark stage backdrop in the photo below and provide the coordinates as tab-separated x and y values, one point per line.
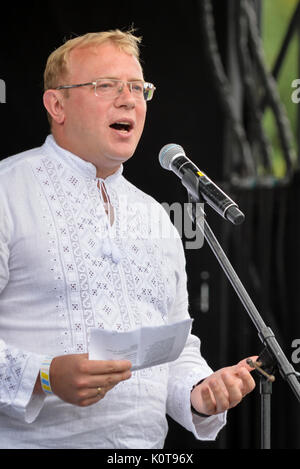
186	111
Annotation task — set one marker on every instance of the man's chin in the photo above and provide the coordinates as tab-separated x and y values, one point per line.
111	164
121	156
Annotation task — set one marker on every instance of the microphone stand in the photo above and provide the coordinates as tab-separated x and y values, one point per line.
272	357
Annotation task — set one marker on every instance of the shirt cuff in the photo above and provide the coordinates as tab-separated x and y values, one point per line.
26	405
207	428
203	428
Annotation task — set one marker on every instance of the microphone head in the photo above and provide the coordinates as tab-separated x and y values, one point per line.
168	152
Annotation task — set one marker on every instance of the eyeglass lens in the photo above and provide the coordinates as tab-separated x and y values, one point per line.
111	88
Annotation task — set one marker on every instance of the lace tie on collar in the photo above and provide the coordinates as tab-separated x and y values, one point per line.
109	247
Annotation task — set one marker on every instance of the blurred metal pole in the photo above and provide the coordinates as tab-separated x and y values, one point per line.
298	114
265	391
232	152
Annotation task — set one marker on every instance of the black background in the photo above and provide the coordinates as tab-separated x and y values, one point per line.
185	110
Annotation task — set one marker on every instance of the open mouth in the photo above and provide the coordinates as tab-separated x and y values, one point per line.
122	125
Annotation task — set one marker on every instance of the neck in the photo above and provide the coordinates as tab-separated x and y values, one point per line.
102	171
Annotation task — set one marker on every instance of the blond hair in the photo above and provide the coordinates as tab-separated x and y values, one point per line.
57	63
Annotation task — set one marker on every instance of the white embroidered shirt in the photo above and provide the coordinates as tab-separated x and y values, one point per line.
64	269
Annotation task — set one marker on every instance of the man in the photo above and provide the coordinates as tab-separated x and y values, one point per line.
65	267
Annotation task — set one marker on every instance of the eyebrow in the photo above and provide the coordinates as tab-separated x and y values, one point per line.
116	78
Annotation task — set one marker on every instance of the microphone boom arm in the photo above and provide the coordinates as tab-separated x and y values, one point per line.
273	356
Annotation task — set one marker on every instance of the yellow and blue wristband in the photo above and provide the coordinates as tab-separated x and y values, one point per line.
45	375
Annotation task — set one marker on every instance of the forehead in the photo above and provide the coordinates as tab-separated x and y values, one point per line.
90	62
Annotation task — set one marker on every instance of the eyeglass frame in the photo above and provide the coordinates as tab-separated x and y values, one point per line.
94	83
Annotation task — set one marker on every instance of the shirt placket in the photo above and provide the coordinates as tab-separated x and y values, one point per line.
111	249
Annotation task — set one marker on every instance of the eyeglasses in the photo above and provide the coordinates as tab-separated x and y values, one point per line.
111	88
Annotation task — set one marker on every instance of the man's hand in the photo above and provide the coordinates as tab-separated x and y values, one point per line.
223	389
80	381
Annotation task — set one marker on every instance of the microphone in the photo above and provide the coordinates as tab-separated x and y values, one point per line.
173	158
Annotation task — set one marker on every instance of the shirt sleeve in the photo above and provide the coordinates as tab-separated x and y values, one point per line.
18	368
189	368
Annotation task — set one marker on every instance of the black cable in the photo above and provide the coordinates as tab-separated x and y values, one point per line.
223	88
248	74
272	94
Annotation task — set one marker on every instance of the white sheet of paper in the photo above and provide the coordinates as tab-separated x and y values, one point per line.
144	347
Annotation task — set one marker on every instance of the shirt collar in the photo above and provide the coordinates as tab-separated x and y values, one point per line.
86	168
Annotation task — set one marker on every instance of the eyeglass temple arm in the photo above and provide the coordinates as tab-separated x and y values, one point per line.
74	86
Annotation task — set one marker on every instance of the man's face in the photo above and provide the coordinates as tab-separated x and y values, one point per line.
88	128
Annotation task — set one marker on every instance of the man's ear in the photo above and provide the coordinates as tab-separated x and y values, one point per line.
54	103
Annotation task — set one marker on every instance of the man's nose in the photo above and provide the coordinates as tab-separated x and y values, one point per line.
125	96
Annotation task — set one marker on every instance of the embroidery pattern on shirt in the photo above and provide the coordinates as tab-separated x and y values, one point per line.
12	363
144	266
68	260
99	292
